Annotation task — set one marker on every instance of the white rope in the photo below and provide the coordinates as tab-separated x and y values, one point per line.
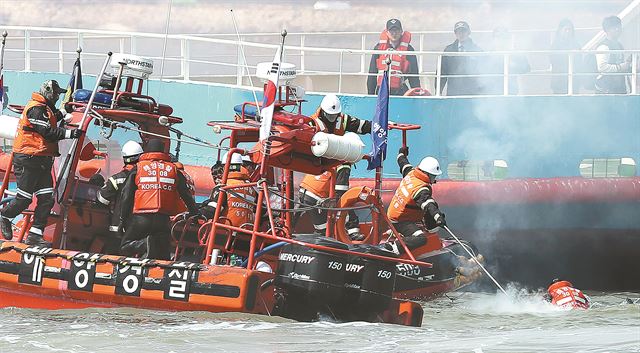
166	36
244	59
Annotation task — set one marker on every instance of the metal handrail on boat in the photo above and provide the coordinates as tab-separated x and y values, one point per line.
201	54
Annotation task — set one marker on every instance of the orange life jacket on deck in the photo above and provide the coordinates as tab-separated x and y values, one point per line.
182	207
317	186
563	294
340	124
399	63
240	209
28	141
402	207
157	182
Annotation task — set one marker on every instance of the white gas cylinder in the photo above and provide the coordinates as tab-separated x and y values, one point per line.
346	148
8	127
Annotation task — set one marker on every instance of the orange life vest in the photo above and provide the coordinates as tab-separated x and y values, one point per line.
402	207
239	209
317	186
563	294
321	126
157	182
28	141
399	63
182	207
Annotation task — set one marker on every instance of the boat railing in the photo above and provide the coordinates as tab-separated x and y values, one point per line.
325	67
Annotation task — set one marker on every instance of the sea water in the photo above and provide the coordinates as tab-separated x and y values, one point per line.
462	322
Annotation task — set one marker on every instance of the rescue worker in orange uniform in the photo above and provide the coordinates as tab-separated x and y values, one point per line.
238	205
412	208
562	293
35	146
394	38
191	185
111	192
151	194
314	189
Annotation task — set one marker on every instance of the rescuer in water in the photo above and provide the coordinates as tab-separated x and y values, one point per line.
238	205
562	294
404	68
35	146
412	208
110	194
151	194
314	189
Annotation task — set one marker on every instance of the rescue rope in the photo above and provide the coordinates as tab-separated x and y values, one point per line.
476	260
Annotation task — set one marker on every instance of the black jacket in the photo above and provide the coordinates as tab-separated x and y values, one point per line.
413	81
461	65
110	195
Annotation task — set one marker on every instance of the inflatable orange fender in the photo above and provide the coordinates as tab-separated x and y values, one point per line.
353	196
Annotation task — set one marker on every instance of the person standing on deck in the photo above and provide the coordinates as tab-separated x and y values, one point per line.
610	65
238	205
110	194
394	38
460	65
40	128
151	194
314	189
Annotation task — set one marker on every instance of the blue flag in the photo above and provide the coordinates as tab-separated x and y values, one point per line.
380	126
74	83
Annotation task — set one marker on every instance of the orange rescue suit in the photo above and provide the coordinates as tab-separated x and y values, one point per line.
28	141
399	63
321	126
318	185
564	295
239	209
157	182
403	208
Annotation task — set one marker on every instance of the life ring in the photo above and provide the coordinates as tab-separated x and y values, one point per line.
418	91
353	196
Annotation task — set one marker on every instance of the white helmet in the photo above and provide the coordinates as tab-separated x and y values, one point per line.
130	151
331	104
236	158
246	159
430	165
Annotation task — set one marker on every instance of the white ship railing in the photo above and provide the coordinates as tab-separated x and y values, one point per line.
217	58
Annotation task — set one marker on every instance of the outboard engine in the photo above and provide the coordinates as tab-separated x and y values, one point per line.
310	279
368	283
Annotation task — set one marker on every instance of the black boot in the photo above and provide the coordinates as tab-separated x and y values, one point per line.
37	240
7	228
